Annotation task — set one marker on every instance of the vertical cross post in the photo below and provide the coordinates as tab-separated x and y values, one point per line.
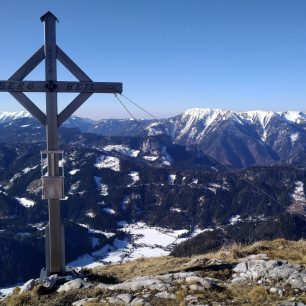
55	262
16	85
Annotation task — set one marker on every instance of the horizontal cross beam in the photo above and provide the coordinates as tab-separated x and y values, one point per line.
60	86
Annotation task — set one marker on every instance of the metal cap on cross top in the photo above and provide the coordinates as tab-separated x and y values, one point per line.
16	86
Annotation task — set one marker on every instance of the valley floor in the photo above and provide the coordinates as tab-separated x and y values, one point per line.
146	241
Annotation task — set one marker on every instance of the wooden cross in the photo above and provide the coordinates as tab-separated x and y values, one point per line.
16	85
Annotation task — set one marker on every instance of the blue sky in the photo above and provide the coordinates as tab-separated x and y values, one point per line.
170	54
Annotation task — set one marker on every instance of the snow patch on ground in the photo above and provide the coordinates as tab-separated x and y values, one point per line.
109	210
146	242
90	214
298	199
74	171
233	220
25	202
102	187
122	149
294	137
95	231
108	162
134	175
298	193
150	157
172	178
4	292
175	209
27	169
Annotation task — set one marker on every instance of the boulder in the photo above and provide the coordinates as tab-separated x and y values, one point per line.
77	283
28	286
83	302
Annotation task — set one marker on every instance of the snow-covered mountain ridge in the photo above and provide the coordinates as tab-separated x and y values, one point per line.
195	113
240	139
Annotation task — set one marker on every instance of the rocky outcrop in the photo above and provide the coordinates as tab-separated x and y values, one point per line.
255	280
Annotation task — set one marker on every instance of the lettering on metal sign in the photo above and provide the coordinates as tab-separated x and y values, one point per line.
59	86
16	86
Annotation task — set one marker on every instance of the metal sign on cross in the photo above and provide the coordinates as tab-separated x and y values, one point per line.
16	85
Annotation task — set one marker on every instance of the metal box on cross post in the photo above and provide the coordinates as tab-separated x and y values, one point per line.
52	183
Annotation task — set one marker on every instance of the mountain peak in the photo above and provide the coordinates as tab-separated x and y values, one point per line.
10	116
202	112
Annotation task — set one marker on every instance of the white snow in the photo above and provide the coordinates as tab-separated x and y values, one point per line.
102	187
234	219
90	214
294	116
108	162
74	171
294	137
25	202
109	210
147	242
172	178
74	187
262	117
150	158
6	291
175	209
10	116
135	177
298	193
207	117
27	169
122	149
95	231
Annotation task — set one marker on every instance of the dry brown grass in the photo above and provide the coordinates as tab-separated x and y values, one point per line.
293	251
143	267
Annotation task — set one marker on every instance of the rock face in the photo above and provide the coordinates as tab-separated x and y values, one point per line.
276	273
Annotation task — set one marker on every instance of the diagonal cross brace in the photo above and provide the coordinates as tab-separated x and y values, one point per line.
81	76
19	75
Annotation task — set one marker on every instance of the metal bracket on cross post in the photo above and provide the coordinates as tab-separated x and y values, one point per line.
16	85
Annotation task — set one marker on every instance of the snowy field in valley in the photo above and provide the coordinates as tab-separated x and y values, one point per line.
145	242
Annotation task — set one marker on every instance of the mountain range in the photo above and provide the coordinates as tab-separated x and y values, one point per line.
237	139
125	181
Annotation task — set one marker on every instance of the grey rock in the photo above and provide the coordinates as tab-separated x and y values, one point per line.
165	295
83	302
138	302
182	275
125	297
77	283
113	300
28	286
190	298
195	287
241	268
50	281
194	280
273	290
102	286
139	283
296	282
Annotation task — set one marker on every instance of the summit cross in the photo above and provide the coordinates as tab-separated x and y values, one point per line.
53	183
